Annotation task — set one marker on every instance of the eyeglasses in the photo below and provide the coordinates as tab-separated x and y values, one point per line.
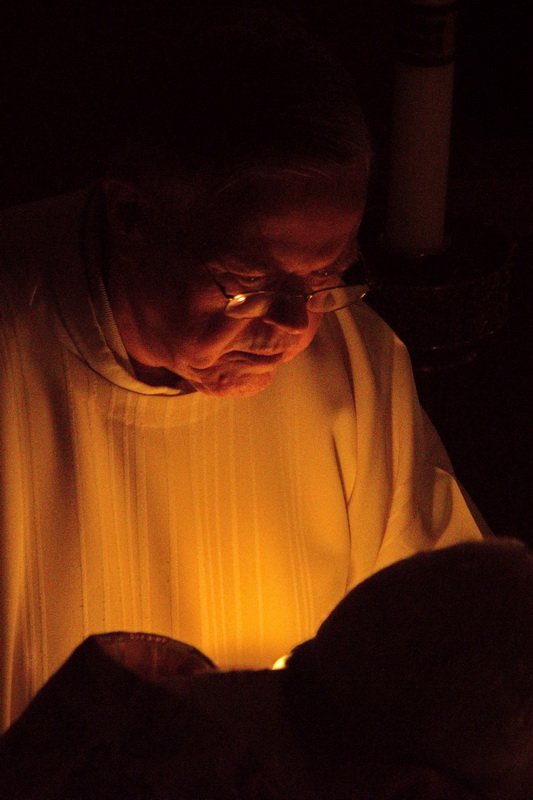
248	305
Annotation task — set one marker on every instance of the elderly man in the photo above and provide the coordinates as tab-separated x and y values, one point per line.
205	433
419	685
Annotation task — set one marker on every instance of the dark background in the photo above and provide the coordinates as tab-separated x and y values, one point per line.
55	132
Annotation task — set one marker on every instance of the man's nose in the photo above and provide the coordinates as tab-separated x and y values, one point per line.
288	313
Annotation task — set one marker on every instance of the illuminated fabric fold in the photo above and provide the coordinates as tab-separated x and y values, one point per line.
235	524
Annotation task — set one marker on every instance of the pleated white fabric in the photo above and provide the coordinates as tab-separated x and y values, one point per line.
233	524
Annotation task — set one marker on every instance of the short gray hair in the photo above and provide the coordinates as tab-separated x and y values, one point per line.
248	97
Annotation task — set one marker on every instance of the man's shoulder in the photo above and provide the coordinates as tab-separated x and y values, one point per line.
33	235
369	349
359	327
37	214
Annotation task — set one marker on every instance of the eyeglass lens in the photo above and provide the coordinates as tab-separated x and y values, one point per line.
257	304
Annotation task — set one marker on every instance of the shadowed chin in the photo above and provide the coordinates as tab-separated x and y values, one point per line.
230	384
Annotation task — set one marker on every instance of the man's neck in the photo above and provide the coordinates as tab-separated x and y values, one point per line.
160	376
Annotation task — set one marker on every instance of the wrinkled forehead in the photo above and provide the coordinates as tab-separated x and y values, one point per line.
291	192
288	210
318	210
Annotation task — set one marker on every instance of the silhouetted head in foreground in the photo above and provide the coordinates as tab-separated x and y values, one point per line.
418	686
427	669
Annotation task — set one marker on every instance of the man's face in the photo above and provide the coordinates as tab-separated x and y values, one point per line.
170	311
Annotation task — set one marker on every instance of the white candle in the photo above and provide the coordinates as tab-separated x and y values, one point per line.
420	138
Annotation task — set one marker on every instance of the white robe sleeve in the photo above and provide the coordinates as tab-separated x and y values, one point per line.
405	497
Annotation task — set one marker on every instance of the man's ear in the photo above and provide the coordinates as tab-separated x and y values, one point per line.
424	783
126	206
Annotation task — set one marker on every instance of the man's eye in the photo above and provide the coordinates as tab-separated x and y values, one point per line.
252	282
326	277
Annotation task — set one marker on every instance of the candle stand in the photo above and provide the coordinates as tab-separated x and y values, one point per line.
442	280
444	305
